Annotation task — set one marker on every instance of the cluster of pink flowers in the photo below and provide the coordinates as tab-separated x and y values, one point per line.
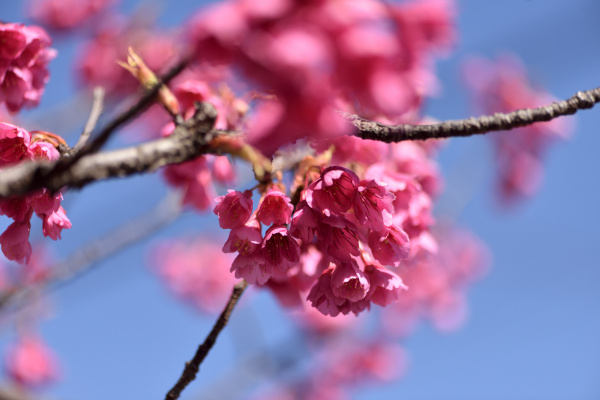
66	14
503	86
318	57
196	177
195	271
340	367
24	57
438	285
343	232
114	35
16	145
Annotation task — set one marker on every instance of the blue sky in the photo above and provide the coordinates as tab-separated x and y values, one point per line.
533	327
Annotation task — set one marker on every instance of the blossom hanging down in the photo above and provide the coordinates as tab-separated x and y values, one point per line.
24	56
16	145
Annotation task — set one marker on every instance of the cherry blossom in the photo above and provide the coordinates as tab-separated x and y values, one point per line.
24	60
30	363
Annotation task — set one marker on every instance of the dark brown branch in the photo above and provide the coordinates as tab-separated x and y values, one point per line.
187	141
149	156
32	176
473	126
192	367
97	106
142	104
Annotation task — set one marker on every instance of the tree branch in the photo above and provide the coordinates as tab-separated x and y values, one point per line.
191	142
192	367
473	126
90	125
142	104
187	141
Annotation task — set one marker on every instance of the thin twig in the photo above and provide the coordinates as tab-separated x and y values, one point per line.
192	367
144	102
473	126
97	106
86	257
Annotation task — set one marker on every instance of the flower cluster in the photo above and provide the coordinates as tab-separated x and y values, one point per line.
194	272
259	258
97	61
503	86
196	176
66	14
16	145
318	57
24	57
339	368
438	284
30	363
342	234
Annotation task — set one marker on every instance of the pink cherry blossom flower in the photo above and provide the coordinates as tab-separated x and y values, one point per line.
66	14
245	240
197	271
391	247
338	238
503	86
275	208
44	151
280	249
385	285
195	179
23	65
16	208
373	205
223	171
321	295
30	363
55	223
304	223
253	267
349	282
333	193
14	142
351	148
45	203
96	62
15	242
233	209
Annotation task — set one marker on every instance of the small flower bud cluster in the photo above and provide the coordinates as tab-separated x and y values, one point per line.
24	56
16	145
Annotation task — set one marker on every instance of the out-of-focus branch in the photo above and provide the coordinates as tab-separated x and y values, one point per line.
187	141
192	367
87	256
472	126
97	106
